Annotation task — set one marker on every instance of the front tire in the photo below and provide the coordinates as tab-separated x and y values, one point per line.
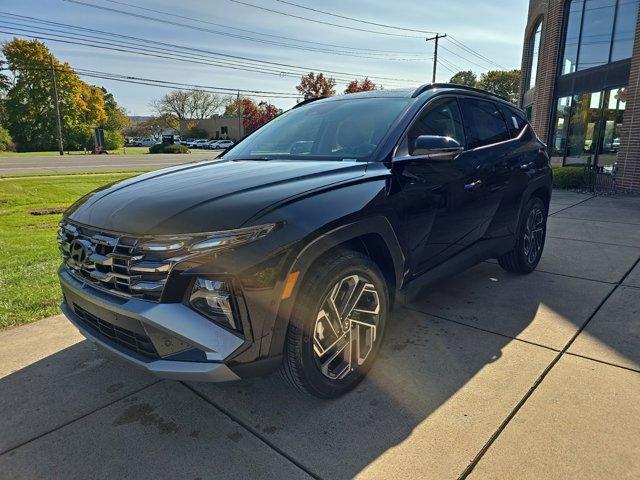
337	325
531	235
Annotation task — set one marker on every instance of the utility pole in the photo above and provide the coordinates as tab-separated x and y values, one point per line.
57	107
435	53
239	116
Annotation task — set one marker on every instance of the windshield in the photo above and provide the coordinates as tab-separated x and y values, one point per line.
336	130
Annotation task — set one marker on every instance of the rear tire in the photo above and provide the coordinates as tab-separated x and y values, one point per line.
530	238
317	333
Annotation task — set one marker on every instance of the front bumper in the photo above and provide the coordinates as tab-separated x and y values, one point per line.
175	330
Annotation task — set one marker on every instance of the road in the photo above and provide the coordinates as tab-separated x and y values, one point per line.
15	166
489	375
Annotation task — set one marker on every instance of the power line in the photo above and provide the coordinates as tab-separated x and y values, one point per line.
352	18
370	54
314	20
324	12
262	65
461	45
160	83
198	20
463	58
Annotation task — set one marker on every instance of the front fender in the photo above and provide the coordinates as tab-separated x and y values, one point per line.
378	225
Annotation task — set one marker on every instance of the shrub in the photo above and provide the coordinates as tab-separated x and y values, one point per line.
113	140
6	143
572	177
168	148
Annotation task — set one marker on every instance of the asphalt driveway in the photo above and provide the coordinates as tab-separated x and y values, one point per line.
490	375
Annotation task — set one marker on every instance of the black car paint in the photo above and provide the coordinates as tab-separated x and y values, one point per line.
425	227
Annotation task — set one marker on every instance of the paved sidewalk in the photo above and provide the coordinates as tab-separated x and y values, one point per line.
490	375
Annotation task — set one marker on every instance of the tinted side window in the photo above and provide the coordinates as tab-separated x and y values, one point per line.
484	123
516	120
442	119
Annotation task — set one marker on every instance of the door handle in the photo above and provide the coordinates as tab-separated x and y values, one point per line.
527	166
469	187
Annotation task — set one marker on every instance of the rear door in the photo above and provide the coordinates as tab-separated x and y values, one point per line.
489	149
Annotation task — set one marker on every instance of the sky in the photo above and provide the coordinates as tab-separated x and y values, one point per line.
493	29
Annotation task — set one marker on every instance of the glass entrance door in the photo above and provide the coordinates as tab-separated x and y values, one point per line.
587	130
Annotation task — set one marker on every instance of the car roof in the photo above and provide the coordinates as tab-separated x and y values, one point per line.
428	89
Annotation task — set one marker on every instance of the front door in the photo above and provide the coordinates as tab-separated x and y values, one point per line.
439	201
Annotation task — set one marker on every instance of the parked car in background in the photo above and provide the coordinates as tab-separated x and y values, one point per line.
290	251
223	144
200	143
211	144
147	142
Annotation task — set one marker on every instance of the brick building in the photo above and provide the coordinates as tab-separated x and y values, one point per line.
581	83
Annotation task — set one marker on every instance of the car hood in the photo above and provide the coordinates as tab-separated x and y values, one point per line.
204	197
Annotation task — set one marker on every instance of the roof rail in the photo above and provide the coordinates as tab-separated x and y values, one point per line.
429	86
306	101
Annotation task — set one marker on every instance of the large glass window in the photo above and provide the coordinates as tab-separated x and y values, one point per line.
534	55
583	127
572	39
598	32
587	129
625	30
559	145
613	112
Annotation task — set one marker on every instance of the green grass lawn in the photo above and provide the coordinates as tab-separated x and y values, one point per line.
121	151
29	255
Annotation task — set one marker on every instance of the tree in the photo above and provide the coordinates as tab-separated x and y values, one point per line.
117	119
465	77
6	143
502	82
189	104
253	115
28	106
152	127
365	86
312	85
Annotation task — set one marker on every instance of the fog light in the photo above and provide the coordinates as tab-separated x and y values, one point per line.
213	298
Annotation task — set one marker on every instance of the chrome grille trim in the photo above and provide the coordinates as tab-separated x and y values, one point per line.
115	263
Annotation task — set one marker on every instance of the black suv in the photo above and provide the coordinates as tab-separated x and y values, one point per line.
290	251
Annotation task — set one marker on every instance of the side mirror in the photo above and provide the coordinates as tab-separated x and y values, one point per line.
436	146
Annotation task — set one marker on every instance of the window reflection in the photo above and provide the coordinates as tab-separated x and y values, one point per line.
625	31
615	103
559	145
598	32
535	51
572	39
583	123
587	129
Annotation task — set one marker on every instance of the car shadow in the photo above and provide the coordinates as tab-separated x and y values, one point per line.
430	368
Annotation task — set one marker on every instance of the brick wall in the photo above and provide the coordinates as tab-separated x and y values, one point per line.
629	155
551	13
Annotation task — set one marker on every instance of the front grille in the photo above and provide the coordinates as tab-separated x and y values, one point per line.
137	342
115	262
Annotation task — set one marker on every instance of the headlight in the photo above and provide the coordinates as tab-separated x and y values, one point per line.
204	242
214	299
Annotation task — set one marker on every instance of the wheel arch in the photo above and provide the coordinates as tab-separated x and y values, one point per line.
373	236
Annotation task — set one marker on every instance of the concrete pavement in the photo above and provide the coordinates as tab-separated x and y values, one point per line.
14	166
490	375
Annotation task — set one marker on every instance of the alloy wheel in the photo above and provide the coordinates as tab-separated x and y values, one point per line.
345	330
534	235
